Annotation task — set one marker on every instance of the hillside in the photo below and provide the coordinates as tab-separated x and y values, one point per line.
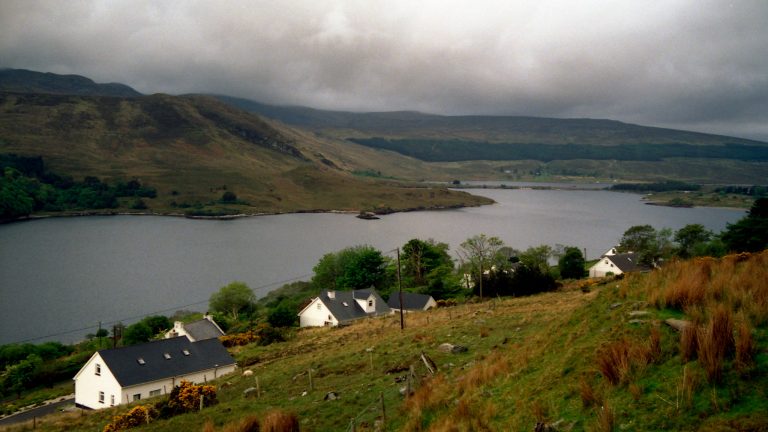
530	148
594	356
193	149
26	81
491	129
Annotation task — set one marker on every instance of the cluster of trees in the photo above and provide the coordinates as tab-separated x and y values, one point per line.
749	234
667	186
756	191
24	366
27	187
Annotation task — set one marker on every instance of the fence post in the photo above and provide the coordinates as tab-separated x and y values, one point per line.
258	389
383	412
311	386
201	402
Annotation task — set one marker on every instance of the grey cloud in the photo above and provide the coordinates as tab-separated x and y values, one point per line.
698	65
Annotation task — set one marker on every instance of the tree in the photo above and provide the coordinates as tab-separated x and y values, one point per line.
750	233
355	267
637	238
20	376
690	237
650	245
571	263
228	197
421	259
137	333
282	316
230	299
157	323
537	257
479	252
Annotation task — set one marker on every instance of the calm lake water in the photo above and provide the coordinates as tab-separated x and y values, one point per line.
59	277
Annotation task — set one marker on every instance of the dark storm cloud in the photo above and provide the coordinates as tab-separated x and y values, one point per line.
690	64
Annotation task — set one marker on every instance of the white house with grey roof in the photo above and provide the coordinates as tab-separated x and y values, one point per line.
334	308
411	302
121	375
616	263
205	328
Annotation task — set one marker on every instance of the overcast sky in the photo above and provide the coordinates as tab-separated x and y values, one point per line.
692	64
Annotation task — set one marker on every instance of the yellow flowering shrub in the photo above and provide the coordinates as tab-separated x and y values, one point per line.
186	397
137	416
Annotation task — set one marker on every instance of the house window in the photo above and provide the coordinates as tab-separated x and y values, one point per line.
101	397
330	318
370	303
154	393
141	361
167	356
319	306
185	351
111	400
137	396
98	369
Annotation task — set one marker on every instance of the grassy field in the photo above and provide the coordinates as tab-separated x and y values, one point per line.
593	356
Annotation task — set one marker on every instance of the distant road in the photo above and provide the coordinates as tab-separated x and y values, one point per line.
37	412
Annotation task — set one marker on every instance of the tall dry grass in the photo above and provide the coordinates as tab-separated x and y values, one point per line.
738	281
272	421
619	361
745	347
280	421
494	365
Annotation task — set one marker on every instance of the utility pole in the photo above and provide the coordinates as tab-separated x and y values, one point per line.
400	284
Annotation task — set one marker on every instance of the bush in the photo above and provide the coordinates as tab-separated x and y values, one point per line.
139	415
185	398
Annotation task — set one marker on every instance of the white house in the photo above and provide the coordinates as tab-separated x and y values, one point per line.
411	302
333	308
205	328
616	264
121	375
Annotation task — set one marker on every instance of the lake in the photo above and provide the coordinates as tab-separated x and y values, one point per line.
60	277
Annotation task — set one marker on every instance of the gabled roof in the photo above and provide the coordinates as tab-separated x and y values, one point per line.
164	358
203	329
627	262
344	306
411	301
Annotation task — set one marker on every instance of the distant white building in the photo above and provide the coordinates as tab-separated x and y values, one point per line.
334	308
121	375
616	264
205	328
411	302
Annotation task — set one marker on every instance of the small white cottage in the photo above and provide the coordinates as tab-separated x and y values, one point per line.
411	302
205	328
616	264
334	308
121	375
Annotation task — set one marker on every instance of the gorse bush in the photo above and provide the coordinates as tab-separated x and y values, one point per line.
185	397
137	416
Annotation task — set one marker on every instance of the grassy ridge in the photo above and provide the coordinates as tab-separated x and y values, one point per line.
594	356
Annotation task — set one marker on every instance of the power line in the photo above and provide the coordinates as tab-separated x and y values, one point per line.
135	317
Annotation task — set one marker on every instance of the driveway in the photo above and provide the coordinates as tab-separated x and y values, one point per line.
39	412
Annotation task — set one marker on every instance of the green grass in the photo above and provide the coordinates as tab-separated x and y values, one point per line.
530	360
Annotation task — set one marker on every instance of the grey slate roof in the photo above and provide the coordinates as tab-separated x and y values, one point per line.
124	362
203	329
411	301
627	262
345	308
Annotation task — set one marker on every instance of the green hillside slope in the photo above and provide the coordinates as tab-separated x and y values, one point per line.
594	356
